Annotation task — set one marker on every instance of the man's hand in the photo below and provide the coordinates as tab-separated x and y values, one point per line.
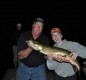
49	56
74	55
61	58
58	57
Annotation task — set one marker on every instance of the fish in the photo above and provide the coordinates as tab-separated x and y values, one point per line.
47	49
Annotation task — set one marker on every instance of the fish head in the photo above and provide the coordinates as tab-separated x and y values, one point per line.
34	44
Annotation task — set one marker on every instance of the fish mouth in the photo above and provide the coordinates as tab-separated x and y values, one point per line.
31	44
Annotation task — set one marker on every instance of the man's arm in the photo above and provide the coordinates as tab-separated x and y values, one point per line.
24	53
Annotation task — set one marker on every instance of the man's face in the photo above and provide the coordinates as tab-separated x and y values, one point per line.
37	28
57	37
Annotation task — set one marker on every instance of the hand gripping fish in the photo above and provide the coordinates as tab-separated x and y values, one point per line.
45	49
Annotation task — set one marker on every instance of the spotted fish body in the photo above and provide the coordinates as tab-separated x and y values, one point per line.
45	49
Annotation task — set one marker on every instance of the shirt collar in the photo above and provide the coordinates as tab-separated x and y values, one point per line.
59	43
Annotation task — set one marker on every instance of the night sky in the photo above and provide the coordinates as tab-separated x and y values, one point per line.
70	16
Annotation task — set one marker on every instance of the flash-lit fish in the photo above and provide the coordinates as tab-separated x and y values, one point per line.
45	49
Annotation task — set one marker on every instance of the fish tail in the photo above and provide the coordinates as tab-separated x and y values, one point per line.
75	63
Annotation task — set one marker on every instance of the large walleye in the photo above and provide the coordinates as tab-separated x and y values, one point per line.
45	49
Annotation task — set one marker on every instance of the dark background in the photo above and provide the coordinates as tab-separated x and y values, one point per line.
70	16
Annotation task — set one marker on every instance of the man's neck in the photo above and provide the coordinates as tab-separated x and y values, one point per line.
35	36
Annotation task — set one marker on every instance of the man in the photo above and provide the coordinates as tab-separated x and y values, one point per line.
32	63
63	69
15	37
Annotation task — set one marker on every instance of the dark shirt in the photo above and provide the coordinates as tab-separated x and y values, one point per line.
15	36
35	58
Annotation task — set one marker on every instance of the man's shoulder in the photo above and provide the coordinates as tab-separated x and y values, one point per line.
70	42
45	39
43	35
26	32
